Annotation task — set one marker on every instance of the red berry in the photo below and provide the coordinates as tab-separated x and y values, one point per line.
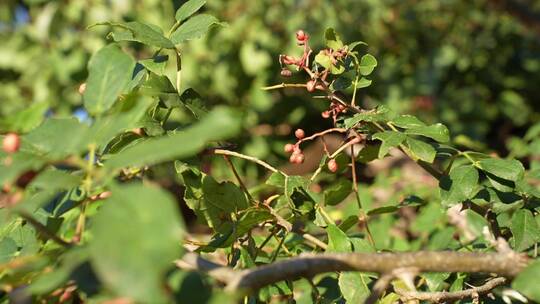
301	36
299	133
11	143
286	73
82	88
332	165
325	114
310	85
297	157
289	148
292	158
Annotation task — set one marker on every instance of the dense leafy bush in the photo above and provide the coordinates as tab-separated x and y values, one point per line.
143	194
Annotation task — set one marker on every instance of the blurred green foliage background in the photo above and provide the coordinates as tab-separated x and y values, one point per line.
473	65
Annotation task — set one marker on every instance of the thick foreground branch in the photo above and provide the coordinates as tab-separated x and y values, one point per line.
504	264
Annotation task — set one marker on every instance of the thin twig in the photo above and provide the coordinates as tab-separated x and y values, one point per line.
443	296
315	240
358	201
285	85
250	158
43	229
340	130
237	176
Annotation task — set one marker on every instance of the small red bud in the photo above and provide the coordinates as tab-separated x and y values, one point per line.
332	166
310	85
286	73
11	143
299	133
300	158
82	88
289	148
301	37
325	114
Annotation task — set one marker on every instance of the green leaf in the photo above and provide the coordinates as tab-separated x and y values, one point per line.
194	28
189	8
105	128
524	229
381	113
156	64
57	138
407	121
369	152
509	169
324	60
225	196
353	45
53	179
461	184
500	184
438	132
367	64
219	124
8	249
110	71
337	240
194	103
421	150
140	32
383	210
50	281
332	39
136	236
161	86
354	286
25	120
341	83
363	83
337	192
20	163
527	281
389	139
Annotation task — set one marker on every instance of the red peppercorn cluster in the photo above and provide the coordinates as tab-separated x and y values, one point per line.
302	39
297	156
334	110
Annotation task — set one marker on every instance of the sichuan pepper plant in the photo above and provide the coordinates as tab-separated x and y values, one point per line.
89	215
